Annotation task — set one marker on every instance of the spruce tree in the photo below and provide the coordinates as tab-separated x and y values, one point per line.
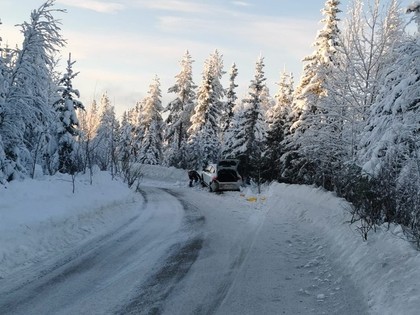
180	112
253	125
104	140
204	133
68	129
309	132
367	52
277	128
231	99
125	145
28	112
151	150
391	142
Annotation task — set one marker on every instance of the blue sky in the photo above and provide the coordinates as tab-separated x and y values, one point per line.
120	45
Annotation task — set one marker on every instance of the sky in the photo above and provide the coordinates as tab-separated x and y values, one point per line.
120	45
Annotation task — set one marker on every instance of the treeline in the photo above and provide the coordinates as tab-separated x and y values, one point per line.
350	125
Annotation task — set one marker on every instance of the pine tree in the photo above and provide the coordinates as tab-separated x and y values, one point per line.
204	133
234	145
28	112
277	127
135	116
253	125
309	131
104	141
367	52
227	114
125	145
151	150
392	128
390	146
66	107
180	112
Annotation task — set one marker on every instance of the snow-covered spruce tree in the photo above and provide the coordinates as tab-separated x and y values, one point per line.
267	101
135	117
125	148
234	144
229	123
104	141
68	127
151	150
180	112
28	112
309	145
326	137
231	98
253	125
277	127
370	33
125	143
203	140
390	148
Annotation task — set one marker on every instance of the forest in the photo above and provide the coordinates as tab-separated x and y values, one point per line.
351	123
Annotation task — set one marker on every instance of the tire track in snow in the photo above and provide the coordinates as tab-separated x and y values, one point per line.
39	282
158	287
235	270
79	277
151	296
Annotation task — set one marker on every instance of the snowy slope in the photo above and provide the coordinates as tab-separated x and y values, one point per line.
41	218
386	268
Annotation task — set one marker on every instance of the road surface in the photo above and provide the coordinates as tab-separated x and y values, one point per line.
190	252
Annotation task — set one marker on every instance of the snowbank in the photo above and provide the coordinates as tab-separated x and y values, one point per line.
41	218
163	176
386	267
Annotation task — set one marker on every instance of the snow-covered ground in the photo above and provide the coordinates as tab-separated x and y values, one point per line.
42	218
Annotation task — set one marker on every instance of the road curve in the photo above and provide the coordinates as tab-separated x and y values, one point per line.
192	252
130	270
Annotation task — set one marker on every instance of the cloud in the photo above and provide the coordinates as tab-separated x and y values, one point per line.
278	33
183	6
178	24
94	5
241	3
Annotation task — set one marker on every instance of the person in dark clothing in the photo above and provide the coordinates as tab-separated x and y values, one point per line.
194	177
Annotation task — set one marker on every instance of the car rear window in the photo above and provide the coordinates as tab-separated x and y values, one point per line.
227	163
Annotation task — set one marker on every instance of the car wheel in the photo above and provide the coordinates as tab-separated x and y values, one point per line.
210	189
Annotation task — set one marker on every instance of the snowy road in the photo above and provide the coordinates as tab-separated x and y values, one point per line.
105	275
260	261
191	252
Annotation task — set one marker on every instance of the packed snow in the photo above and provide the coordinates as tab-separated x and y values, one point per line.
42	218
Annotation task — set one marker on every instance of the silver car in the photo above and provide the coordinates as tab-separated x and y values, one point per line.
222	176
